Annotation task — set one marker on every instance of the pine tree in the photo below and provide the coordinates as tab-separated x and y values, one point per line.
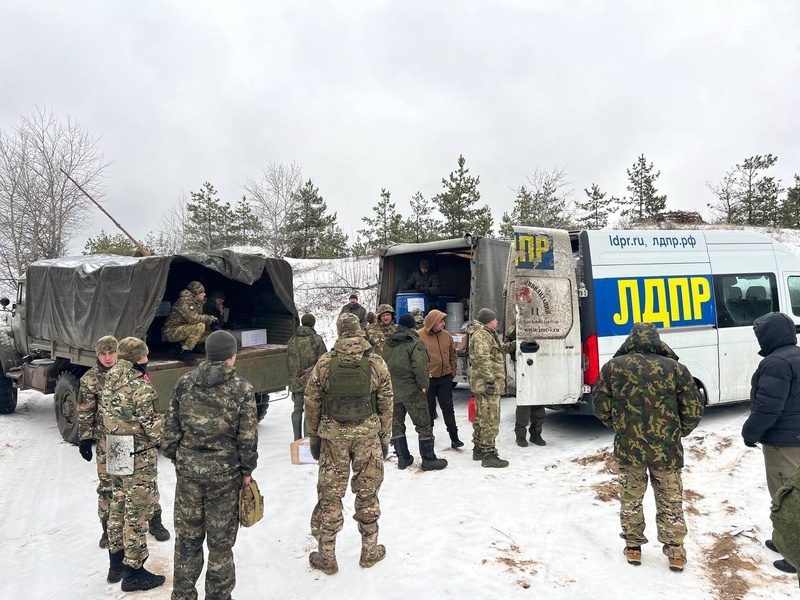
790	209
385	227
311	232
112	244
542	203
456	201
595	209
209	220
758	194
245	229
421	226
644	201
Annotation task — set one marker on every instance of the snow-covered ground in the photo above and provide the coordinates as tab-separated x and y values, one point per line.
545	527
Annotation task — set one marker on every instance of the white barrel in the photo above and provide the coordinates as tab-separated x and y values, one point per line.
455	317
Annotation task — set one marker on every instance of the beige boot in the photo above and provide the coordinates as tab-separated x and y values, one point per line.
325	557
371	551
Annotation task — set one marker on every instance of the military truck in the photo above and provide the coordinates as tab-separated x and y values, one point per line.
472	275
64	305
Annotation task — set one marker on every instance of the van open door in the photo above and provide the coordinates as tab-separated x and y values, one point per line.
541	301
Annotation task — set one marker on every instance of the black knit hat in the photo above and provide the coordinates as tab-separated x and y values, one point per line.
220	345
308	320
406	320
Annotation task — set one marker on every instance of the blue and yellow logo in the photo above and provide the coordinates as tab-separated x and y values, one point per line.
533	251
672	301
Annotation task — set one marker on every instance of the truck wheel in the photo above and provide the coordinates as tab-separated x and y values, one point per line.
262	404
8	397
66	406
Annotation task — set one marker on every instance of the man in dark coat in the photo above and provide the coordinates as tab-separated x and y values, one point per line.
774	419
651	401
354	308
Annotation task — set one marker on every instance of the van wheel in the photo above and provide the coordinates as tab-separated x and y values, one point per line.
262	405
8	397
66	406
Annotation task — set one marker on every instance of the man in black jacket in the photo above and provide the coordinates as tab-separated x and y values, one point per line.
774	419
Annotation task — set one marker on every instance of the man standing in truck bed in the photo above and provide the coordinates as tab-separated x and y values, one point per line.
186	324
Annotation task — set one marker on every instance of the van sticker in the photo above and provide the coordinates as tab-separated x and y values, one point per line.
543	308
672	301
533	251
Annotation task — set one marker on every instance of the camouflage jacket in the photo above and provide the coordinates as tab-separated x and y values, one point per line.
407	359
487	359
211	429
127	406
90	427
377	333
649	399
186	311
303	351
428	283
350	347
356	310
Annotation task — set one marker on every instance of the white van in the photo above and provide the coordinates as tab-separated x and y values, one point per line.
578	294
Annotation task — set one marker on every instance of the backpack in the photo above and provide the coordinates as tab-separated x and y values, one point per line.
251	504
349	398
785	515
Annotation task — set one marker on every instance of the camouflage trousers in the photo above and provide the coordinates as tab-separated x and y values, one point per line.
104	492
335	459
188	335
487	422
533	415
416	406
668	492
205	509
133	502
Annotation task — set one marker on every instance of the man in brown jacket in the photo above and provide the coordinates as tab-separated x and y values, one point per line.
442	369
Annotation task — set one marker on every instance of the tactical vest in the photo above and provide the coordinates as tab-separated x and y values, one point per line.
349	398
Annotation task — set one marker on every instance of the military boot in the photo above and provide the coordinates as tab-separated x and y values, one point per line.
140	579
104	538
404	458
371	551
490	459
454	441
297	425
536	438
477	453
324	559
429	460
157	528
521	441
115	566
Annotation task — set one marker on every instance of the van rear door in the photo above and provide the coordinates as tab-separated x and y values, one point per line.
542	302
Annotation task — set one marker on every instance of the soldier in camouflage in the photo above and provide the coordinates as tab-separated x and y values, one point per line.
407	358
651	401
487	379
347	432
419	319
90	430
211	435
354	308
186	324
423	280
376	334
127	408
303	351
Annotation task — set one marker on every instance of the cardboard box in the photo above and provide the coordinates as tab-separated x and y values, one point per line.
250	337
300	451
461	341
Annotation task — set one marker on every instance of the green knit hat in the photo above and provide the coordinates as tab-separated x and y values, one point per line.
220	345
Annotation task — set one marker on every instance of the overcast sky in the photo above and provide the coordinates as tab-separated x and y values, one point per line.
377	94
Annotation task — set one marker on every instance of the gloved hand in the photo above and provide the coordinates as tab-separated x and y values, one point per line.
749	444
491	388
385	449
85	448
315	446
214	326
512	347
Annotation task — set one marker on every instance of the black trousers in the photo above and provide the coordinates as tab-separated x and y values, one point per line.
441	388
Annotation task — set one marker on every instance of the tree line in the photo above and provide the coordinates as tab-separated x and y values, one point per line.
283	213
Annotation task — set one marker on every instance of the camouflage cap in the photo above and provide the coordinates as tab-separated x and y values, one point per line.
132	349
416	312
424	264
370	317
195	287
107	343
347	322
384	308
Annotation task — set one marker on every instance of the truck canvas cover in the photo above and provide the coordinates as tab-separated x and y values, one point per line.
80	299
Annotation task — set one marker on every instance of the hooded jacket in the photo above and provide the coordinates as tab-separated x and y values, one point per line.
775	386
407	359
649	399
440	346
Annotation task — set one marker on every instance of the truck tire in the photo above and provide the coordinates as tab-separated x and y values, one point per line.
262	405
66	406
8	359
8	397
